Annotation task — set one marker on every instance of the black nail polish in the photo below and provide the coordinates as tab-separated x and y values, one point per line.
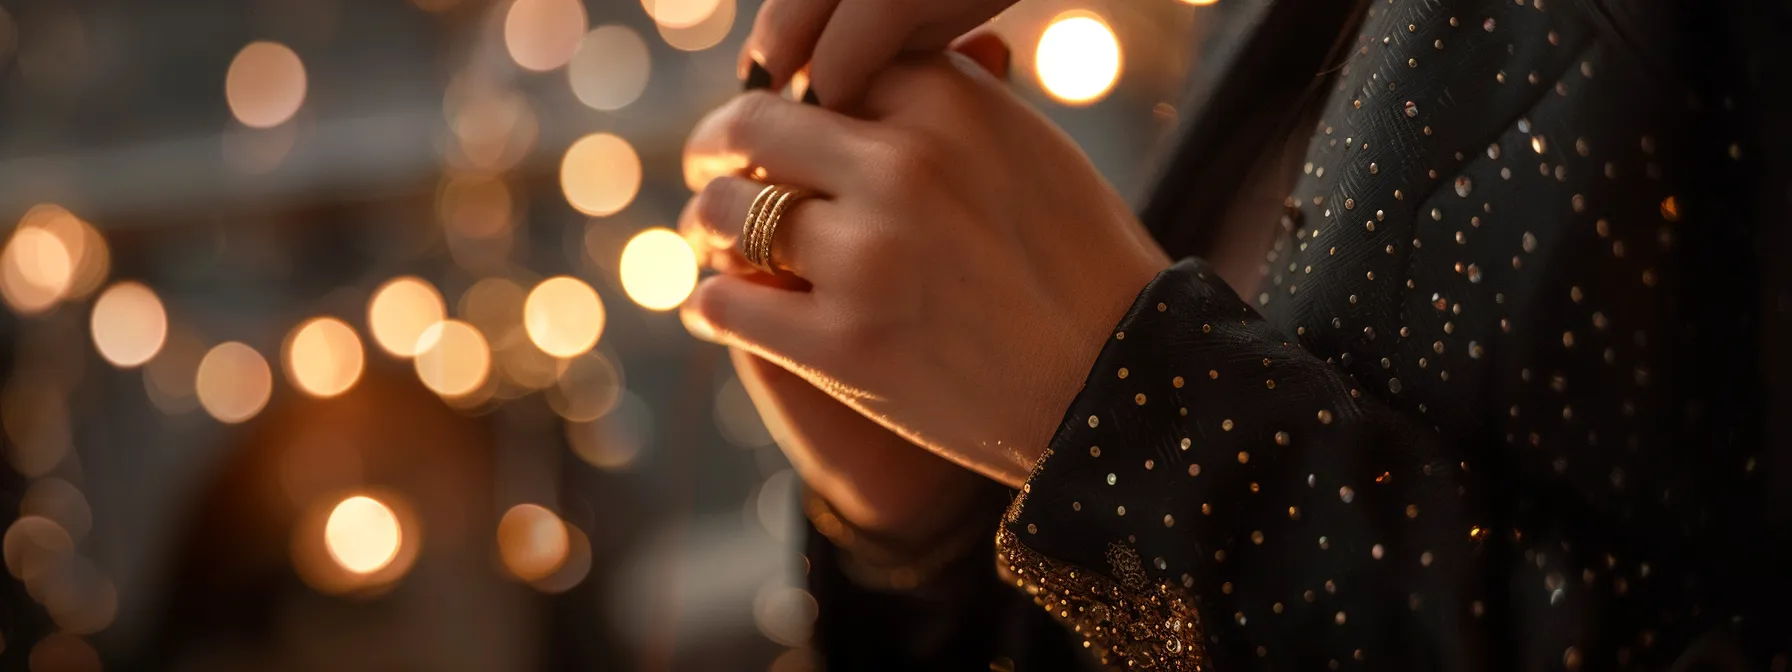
758	77
809	97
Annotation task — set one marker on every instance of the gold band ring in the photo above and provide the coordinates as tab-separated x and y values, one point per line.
762	221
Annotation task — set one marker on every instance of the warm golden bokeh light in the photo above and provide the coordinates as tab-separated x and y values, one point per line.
564	316
34	546
543	34
494	306
475	206
61	502
532	541
680	13
400	311
610	69
600	174
233	382
265	84
705	33
494	127
1199	2
573	570
615	441
1078	59
587	389
80	597
323	357
35	270
453	359
129	324
62	652
88	255
362	534
659	269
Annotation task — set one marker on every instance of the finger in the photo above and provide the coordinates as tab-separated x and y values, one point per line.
793	143
717	219
709	254
861	37
986	49
784	36
774	323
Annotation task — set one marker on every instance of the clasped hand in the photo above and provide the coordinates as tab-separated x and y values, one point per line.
960	268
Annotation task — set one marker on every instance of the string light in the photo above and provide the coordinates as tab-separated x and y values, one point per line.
543	34
323	357
1078	58
659	269
362	534
610	69
532	541
452	359
129	324
233	382
89	259
600	174
265	85
400	311
563	316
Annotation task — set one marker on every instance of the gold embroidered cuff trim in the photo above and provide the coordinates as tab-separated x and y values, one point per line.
1127	623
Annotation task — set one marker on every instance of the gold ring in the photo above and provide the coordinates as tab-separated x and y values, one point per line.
762	222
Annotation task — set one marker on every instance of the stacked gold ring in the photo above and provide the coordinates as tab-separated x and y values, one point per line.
762	223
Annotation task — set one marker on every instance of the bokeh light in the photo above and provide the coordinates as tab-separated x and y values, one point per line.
532	541
1199	2
573	569
494	306
400	311
475	206
129	324
785	614
362	534
680	13
587	389
80	597
35	270
323	357
610	69
233	382
265	85
615	441
1078	59
453	359
494	127
600	174
564	316
706	33
34	546
59	501
62	652
659	269
543	34
89	258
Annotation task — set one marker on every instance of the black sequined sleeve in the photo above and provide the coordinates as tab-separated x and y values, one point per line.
1215	489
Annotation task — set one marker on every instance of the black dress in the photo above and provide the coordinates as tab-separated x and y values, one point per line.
1501	399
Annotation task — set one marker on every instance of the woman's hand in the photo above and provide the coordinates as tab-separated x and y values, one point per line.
848	40
875	480
966	261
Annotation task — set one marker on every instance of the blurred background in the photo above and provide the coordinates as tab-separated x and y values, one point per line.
342	333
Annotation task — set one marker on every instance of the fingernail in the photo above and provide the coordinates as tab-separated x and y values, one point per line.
757	77
809	97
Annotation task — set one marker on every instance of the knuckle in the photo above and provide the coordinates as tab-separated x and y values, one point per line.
745	115
713	202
